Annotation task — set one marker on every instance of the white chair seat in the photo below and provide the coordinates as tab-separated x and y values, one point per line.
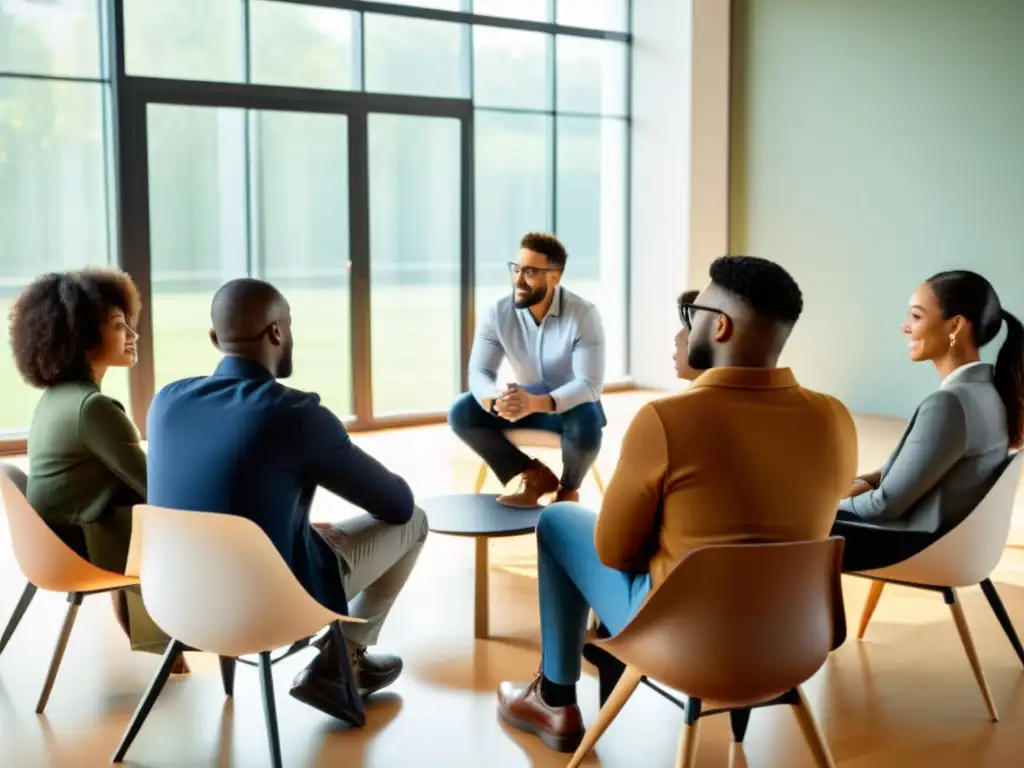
534	438
963	557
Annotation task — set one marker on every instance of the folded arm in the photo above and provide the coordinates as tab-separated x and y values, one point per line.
588	361
108	433
334	462
936	441
626	532
484	361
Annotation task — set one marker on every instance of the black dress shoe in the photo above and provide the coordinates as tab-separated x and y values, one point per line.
329	694
375	671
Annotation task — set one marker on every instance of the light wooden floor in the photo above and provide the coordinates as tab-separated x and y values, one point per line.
904	696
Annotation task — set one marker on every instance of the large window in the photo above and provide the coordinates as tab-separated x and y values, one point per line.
347	184
55	197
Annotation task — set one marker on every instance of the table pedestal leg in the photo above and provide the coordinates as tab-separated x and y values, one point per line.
481	612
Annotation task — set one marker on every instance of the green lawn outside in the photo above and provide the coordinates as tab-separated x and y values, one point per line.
415	348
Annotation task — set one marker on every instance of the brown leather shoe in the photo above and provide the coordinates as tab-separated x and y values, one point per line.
560	728
567	494
536	482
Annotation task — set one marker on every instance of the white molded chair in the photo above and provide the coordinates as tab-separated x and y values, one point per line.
533	438
50	564
963	557
216	583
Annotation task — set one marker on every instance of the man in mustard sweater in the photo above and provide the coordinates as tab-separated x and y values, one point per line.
745	455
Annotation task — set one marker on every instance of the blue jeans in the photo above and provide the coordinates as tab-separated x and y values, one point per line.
579	427
571	578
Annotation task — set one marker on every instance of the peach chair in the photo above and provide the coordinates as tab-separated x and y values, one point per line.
738	627
215	583
963	557
533	438
48	563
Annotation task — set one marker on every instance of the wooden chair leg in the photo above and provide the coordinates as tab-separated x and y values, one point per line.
481	590
19	612
997	608
227	674
174	648
869	607
481	477
597	478
972	654
270	709
812	732
689	737
627	684
737	757
74	601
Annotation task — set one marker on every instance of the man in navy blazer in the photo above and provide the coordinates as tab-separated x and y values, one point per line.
239	442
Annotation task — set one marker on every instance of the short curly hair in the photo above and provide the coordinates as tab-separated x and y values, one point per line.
548	245
59	317
768	288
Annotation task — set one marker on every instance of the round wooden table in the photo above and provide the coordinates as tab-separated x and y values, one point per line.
478	516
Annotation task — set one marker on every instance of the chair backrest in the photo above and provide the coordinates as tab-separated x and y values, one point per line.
216	583
968	553
740	624
45	560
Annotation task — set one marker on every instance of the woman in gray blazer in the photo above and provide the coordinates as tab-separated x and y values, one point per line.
957	441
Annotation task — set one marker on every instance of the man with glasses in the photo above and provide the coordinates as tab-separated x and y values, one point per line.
554	342
744	455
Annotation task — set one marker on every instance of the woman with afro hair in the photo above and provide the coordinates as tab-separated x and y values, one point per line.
86	464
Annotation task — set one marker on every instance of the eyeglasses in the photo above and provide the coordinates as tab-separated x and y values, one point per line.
530	272
686	310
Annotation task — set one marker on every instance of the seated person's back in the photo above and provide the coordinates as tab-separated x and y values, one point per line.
240	443
744	455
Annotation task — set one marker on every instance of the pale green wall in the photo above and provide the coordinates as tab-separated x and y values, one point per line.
875	142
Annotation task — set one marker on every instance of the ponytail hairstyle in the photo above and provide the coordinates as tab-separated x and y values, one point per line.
968	294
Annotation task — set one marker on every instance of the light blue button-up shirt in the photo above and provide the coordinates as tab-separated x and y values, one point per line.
562	356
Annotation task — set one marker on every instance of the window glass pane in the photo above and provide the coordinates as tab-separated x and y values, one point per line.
60	39
53	205
511	68
415	238
304	46
612	15
300	222
591	75
416	57
529	10
513	193
187	39
197	211
591	210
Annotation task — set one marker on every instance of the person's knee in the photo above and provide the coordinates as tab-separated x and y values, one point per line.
582	428
553	519
464	412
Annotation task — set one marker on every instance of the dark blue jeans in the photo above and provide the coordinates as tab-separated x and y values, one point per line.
580	429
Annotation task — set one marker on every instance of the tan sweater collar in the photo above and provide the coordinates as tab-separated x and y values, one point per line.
746	378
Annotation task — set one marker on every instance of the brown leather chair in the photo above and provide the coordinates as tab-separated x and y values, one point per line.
735	627
48	563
